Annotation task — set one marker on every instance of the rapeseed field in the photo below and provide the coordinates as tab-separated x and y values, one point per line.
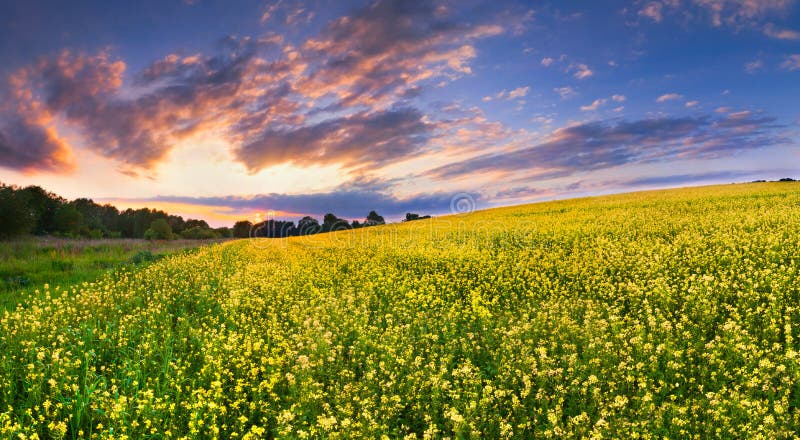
665	314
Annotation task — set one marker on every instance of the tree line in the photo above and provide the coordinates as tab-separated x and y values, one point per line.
33	210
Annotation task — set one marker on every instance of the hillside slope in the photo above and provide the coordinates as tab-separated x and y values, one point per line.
667	313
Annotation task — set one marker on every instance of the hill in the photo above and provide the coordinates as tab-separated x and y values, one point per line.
664	313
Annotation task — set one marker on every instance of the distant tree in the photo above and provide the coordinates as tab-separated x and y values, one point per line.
786	179
241	229
356	224
410	216
110	217
307	226
44	205
374	219
16	217
92	213
195	223
274	229
159	230
68	220
177	223
332	223
224	232
199	233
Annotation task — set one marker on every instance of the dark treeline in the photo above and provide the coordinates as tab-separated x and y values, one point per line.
305	226
33	210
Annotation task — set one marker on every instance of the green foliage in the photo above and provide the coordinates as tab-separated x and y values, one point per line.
159	230
199	233
224	232
34	210
16	217
374	219
68	220
143	257
241	229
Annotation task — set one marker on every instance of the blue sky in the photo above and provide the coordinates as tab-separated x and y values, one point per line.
228	110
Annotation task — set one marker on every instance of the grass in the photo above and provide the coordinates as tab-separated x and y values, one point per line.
27	264
664	314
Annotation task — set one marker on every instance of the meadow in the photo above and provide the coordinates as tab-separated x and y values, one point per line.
28	263
664	314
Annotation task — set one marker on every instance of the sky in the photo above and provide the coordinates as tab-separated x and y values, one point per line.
231	110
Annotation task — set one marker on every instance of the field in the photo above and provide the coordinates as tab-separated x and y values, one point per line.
666	314
29	263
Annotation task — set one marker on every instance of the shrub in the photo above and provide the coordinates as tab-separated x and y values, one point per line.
159	230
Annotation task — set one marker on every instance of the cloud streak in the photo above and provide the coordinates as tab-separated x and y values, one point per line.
601	145
352	203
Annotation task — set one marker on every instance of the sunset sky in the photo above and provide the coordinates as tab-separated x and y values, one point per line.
228	110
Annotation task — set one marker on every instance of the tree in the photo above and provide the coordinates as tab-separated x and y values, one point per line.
241	229
194	223
16	217
374	219
308	225
177	223
410	216
199	233
68	220
224	232
332	223
44	205
159	230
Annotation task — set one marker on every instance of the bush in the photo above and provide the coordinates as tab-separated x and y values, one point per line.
199	233
143	257
16	218
159	230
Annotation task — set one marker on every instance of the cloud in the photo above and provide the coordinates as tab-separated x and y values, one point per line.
792	62
772	31
578	70
690	104
652	10
359	140
738	13
753	66
581	71
618	98
351	203
600	145
593	106
734	14
179	96
565	92
383	48
263	95
521	192
30	147
519	92
675	179
669	97
288	12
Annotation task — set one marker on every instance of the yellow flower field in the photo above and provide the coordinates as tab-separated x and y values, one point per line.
666	314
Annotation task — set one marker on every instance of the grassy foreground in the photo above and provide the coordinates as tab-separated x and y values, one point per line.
647	315
29	263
